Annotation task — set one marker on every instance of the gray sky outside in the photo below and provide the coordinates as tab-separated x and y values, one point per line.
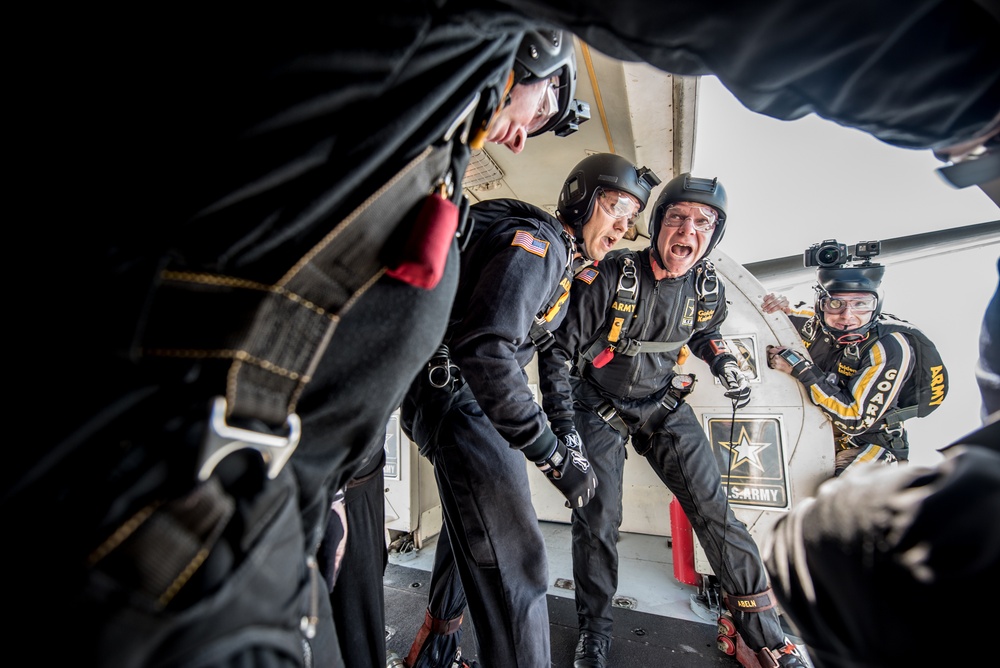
795	183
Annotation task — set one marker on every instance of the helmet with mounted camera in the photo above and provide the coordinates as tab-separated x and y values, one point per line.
542	55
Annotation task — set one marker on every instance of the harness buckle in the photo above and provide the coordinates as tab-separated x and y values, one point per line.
221	440
895	432
629	347
440	372
606	412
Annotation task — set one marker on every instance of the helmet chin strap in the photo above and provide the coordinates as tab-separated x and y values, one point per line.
581	245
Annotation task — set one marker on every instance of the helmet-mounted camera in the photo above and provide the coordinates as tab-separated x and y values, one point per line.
836	275
831	253
827	253
578	112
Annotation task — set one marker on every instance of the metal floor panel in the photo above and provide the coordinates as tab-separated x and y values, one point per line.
657	628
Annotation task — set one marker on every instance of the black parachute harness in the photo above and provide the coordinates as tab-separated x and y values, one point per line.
622	312
270	342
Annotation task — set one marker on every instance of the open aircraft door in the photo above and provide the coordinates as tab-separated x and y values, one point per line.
778	449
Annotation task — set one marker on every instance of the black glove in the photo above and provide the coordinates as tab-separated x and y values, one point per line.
736	383
568	469
563	426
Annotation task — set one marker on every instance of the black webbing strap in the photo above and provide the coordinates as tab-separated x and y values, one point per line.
632	347
610	414
276	334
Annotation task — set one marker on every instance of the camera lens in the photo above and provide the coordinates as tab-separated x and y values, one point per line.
828	255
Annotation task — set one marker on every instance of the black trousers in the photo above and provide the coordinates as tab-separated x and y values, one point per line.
681	456
492	532
358	597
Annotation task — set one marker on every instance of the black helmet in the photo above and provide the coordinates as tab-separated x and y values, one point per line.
687	188
576	200
546	53
860	278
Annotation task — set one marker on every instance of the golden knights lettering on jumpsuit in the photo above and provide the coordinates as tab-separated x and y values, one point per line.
884	386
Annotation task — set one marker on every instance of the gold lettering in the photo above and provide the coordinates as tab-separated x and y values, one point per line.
937	386
616	329
705	316
845	370
891	374
628	308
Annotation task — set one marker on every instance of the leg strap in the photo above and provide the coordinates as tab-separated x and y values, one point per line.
441	627
750	602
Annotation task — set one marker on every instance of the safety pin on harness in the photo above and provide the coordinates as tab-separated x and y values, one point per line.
221	440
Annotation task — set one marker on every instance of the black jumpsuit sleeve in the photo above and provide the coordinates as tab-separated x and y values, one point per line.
708	343
585	319
913	73
511	289
871	391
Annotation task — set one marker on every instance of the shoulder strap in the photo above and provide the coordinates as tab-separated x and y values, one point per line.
707	283
540	336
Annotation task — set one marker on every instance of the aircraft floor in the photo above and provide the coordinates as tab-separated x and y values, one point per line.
654	621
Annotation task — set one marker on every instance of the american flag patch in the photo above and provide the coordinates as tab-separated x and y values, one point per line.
587	275
529	243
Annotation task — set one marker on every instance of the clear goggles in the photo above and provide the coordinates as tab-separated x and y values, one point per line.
703	218
618	204
837	305
548	106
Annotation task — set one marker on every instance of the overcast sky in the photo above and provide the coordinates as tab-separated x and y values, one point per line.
794	183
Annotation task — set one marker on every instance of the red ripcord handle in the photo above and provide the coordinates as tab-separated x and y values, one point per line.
426	251
604	357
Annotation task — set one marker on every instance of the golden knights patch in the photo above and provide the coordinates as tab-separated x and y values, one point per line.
687	319
845	370
529	243
587	275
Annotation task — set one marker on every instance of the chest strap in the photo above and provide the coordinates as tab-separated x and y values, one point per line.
626	303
